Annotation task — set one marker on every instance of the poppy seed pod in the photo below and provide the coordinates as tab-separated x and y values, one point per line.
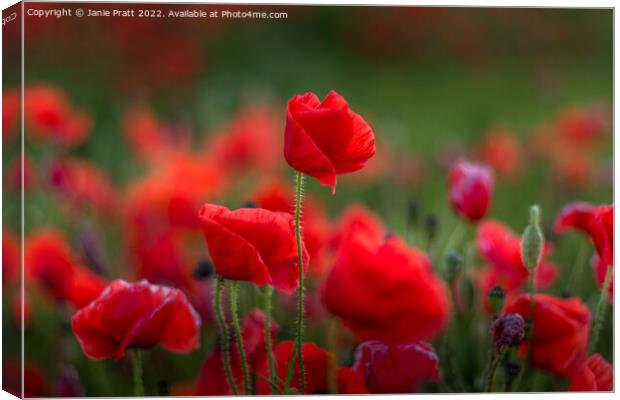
497	298
532	241
508	330
453	263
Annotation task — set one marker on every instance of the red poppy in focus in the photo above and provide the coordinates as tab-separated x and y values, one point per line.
351	382
594	375
561	328
136	315
471	189
82	182
325	139
598	223
253	244
49	114
48	261
316	363
501	247
11	257
501	150
390	368
275	196
385	290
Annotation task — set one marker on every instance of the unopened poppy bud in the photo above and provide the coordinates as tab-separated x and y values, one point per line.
453	263
204	269
532	241
497	298
431	227
250	204
413	209
512	369
508	330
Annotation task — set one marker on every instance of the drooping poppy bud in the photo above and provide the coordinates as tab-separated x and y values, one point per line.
497	298
533	241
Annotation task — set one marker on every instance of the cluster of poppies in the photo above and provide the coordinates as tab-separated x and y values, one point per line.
358	308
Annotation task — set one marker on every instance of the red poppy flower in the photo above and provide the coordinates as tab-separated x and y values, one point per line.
501	247
501	150
49	262
84	287
253	244
385	290
390	368
582	125
15	172
34	382
594	375
471	189
561	327
50	115
358	220
275	196
253	332
11	257
351	382
136	315
83	183
316	362
325	139
11	111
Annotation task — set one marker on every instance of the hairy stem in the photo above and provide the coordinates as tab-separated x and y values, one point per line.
599	313
234	313
268	290
219	312
138	383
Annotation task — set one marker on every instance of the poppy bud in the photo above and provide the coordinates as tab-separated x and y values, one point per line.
431	224
453	263
508	330
497	298
413	209
532	241
204	269
512	369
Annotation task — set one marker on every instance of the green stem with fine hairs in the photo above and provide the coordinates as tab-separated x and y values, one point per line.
268	290
599	313
138	383
299	323
219	312
234	313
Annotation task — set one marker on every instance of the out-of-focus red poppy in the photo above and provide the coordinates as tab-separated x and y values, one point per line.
253	244
594	375
501	247
11	109
316	365
81	182
149	138
351	382
18	307
501	150
253	332
14	174
34	378
582	125
84	286
136	315
275	196
49	114
471	189
561	327
357	220
326	139
390	368
250	142
48	262
11	257
598	223
385	290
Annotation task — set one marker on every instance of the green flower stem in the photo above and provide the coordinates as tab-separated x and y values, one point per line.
299	324
234	312
268	290
494	360
219	312
599	313
138	384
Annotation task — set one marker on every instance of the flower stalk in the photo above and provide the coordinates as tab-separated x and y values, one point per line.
219	312
268	291
237	329
138	383
599	313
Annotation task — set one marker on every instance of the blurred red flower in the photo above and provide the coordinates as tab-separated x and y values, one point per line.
351	382
471	189
501	247
49	114
594	375
316	363
390	368
357	220
14	172
561	327
382	289
11	257
275	196
81	182
325	139
136	315
11	111
253	332
598	223
501	150
582	125
84	287
34	383
253	244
